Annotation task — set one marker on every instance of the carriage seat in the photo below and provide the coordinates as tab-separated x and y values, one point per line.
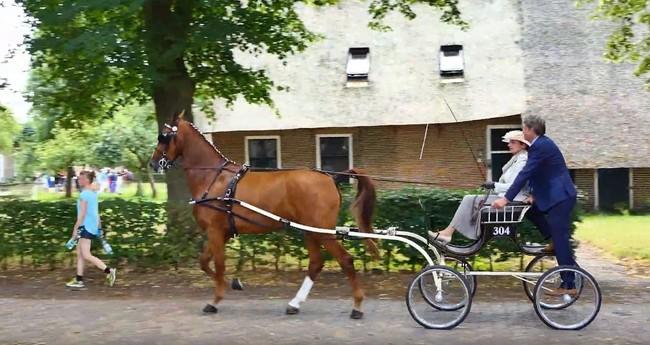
513	212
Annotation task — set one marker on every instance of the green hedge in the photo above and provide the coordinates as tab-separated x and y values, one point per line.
34	232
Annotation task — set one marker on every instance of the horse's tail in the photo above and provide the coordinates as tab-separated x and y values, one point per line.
364	206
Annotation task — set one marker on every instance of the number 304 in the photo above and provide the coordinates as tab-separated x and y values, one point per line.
500	230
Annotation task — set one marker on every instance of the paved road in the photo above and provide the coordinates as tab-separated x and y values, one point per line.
322	321
247	318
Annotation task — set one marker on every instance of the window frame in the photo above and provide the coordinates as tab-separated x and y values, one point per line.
342	135
357	77
278	147
488	144
449	76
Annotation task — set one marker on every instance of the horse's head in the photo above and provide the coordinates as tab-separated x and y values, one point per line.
170	145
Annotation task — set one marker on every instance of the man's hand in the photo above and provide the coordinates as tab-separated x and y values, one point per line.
529	200
500	203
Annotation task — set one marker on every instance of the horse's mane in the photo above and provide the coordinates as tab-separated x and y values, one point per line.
200	133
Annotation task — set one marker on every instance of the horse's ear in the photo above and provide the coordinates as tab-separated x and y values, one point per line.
182	113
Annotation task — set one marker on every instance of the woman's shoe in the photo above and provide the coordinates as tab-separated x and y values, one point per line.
439	237
76	284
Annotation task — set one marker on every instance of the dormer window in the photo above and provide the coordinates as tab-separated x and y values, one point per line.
452	62
358	65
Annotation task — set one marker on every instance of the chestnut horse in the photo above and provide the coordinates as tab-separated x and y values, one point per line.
303	196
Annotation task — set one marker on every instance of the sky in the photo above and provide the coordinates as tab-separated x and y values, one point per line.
15	69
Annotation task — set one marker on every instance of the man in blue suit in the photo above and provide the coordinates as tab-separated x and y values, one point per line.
554	195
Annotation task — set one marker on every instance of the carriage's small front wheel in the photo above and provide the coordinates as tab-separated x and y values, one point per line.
447	287
580	306
459	265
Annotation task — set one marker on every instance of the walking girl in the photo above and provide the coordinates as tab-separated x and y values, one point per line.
87	228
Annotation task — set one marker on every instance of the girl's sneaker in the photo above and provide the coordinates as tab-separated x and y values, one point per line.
75	284
111	276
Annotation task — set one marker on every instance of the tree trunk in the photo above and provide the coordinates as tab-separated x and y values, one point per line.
170	99
152	183
68	182
139	192
166	27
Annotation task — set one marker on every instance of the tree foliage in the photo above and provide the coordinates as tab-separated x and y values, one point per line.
67	148
126	139
25	153
630	40
8	131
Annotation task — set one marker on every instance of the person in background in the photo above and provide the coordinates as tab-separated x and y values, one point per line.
112	181
102	180
121	175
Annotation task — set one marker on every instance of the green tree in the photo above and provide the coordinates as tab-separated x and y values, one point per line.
113	52
119	141
25	155
630	40
67	148
8	131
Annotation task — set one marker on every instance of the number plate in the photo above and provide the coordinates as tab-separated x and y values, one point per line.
501	230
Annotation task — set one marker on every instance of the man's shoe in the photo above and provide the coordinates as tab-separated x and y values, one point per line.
561	292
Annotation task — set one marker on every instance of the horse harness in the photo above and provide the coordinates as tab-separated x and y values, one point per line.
227	198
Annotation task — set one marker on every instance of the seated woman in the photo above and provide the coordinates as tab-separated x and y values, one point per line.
463	220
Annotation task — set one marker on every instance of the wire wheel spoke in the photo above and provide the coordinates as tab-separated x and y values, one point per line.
439	297
574	309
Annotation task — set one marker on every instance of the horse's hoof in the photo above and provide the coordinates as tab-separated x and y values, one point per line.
209	308
236	284
292	310
356	314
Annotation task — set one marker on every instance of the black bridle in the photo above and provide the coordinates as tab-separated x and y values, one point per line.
166	138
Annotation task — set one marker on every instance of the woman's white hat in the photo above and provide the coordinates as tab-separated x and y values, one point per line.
515	135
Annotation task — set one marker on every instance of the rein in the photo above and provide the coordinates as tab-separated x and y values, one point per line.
353	175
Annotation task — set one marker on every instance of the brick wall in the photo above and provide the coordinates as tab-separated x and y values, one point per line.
584	180
390	151
641	188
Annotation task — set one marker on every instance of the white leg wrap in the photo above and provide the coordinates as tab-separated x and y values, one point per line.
302	294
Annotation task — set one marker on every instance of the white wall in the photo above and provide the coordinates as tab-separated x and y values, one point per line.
404	79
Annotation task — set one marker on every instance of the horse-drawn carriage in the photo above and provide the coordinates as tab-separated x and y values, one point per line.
440	295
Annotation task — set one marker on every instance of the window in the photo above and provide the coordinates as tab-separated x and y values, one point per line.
613	189
263	152
358	65
334	152
497	151
451	63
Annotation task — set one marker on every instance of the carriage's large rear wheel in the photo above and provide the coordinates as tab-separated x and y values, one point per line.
541	264
578	310
448	288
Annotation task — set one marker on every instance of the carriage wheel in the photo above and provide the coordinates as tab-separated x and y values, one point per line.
459	265
449	287
541	264
577	311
